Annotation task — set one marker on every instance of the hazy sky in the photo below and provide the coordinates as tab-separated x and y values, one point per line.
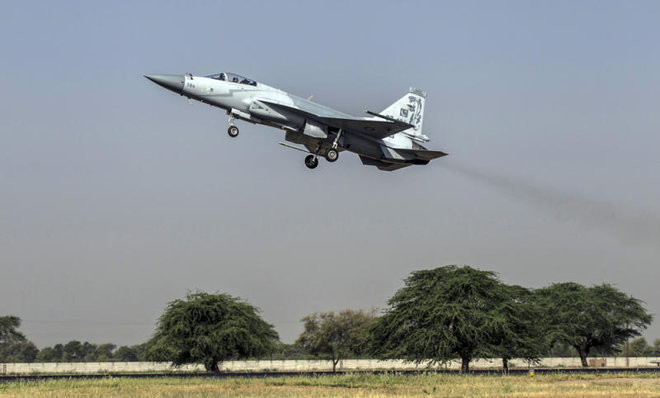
116	196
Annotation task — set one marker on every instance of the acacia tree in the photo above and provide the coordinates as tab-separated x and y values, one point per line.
14	347
336	335
445	313
8	332
210	328
600	317
519	333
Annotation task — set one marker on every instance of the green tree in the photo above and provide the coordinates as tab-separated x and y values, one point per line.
104	352
640	348
127	354
600	317
14	347
445	313
140	351
210	328
656	347
24	351
563	350
9	335
336	335
518	332
8	332
46	354
51	354
88	352
73	352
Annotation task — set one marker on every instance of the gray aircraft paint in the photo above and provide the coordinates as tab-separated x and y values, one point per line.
317	127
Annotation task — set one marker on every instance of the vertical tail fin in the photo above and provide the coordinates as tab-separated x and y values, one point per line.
410	109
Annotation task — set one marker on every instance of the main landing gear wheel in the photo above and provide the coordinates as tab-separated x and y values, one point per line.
232	131
331	155
311	161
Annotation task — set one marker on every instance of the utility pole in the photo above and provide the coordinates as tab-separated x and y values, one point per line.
627	349
5	342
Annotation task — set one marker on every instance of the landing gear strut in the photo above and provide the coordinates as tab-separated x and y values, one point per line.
311	161
331	155
232	130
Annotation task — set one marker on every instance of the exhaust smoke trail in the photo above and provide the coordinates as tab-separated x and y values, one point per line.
630	225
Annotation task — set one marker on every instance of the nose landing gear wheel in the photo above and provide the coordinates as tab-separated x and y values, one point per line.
311	161
232	131
331	155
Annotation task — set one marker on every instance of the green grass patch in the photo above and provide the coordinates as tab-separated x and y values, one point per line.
358	384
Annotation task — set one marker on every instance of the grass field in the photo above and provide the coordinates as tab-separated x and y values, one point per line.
356	385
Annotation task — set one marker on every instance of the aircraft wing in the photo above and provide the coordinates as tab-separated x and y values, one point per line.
371	127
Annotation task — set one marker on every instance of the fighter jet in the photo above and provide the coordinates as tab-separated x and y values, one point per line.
389	140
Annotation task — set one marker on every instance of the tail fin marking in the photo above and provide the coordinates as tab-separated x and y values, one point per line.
410	109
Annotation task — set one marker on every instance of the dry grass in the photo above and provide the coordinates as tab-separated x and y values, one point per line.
356	385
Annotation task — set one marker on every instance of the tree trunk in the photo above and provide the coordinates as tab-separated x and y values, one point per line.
212	366
465	364
334	364
583	359
505	365
583	352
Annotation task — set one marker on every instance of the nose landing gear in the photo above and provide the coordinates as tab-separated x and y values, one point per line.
232	130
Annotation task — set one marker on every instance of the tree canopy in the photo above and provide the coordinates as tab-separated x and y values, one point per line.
640	348
210	328
8	329
439	315
14	347
519	333
587	318
336	335
450	312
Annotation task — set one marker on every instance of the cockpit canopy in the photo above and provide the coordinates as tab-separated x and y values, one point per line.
232	77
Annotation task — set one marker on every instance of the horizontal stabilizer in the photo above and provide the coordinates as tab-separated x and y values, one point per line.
391	119
385	166
422	153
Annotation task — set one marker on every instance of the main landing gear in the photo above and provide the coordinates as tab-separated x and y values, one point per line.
331	154
232	130
311	161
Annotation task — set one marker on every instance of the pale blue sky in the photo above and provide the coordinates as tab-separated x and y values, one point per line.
117	196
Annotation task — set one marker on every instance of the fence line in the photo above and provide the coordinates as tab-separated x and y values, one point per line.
310	365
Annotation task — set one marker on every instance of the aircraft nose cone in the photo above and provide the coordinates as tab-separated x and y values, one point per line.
170	82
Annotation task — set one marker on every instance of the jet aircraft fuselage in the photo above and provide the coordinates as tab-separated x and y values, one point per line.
389	140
